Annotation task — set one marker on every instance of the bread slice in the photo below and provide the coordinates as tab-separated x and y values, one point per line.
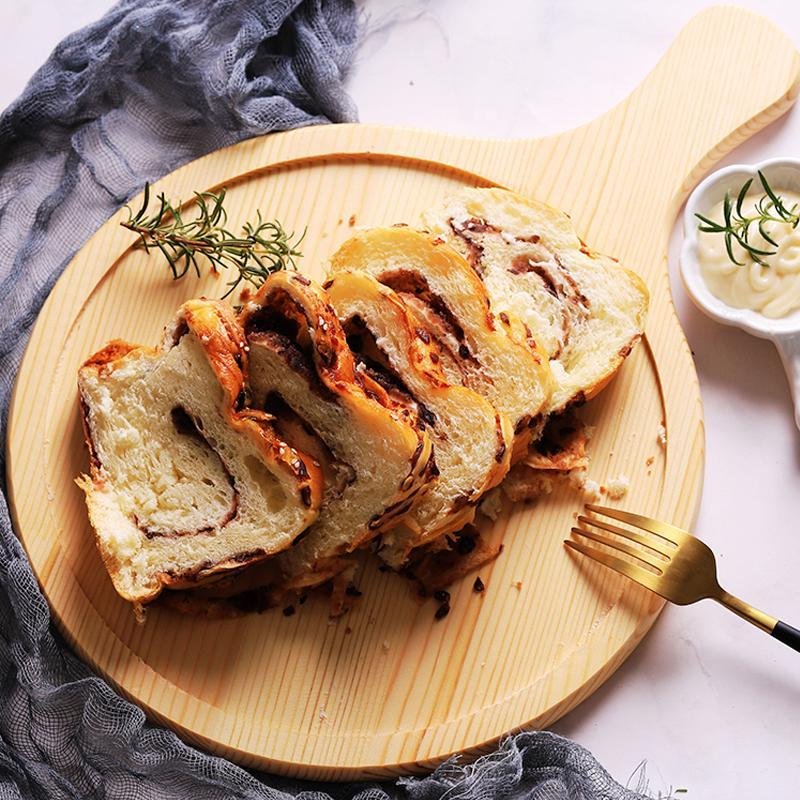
478	350
472	441
183	487
585	309
299	357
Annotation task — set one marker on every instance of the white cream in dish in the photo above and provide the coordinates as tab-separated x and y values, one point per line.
784	175
771	288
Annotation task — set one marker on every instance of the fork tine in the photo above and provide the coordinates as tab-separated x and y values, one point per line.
650	542
621	547
638	574
662	529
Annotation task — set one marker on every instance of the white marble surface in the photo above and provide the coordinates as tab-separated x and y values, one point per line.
712	704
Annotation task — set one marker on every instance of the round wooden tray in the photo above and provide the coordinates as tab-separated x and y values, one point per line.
388	689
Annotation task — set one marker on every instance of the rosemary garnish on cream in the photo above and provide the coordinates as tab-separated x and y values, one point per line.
736	225
263	247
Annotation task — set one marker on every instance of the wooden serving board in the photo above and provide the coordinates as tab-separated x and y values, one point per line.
387	689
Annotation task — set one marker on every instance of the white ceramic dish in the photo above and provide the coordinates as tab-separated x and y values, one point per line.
783	173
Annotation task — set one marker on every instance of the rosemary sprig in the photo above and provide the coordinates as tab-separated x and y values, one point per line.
263	247
736	225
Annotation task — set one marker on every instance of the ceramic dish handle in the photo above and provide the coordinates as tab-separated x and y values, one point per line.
789	348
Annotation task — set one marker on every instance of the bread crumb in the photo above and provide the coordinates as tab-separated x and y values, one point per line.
517	585
591	489
618	487
385	647
650	461
352	221
322	715
662	435
579	479
492	504
524	484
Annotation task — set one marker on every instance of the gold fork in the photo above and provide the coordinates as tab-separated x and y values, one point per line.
671	562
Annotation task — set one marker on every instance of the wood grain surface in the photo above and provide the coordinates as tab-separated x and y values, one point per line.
387	689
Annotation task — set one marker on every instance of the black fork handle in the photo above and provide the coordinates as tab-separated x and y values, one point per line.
774	627
786	634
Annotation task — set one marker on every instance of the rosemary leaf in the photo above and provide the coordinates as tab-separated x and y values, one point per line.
740	198
735	225
259	250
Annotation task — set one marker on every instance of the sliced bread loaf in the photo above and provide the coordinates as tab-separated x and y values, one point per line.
472	441
183	487
478	350
299	357
585	309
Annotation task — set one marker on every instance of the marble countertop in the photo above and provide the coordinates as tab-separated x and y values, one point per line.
709	703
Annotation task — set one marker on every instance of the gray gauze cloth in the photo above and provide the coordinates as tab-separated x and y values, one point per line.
150	86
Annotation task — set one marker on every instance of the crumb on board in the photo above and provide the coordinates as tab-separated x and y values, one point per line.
592	489
352	221
615	488
662	435
492	504
524	484
580	480
577	478
650	461
618	487
385	646
322	715
517	585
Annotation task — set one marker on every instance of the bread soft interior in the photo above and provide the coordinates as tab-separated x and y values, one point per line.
379	459
178	488
438	284
585	309
471	440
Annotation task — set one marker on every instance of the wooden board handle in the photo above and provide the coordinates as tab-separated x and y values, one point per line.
685	115
694	95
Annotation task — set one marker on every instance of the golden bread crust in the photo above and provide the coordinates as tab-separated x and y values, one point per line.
427	384
424	268
296	297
